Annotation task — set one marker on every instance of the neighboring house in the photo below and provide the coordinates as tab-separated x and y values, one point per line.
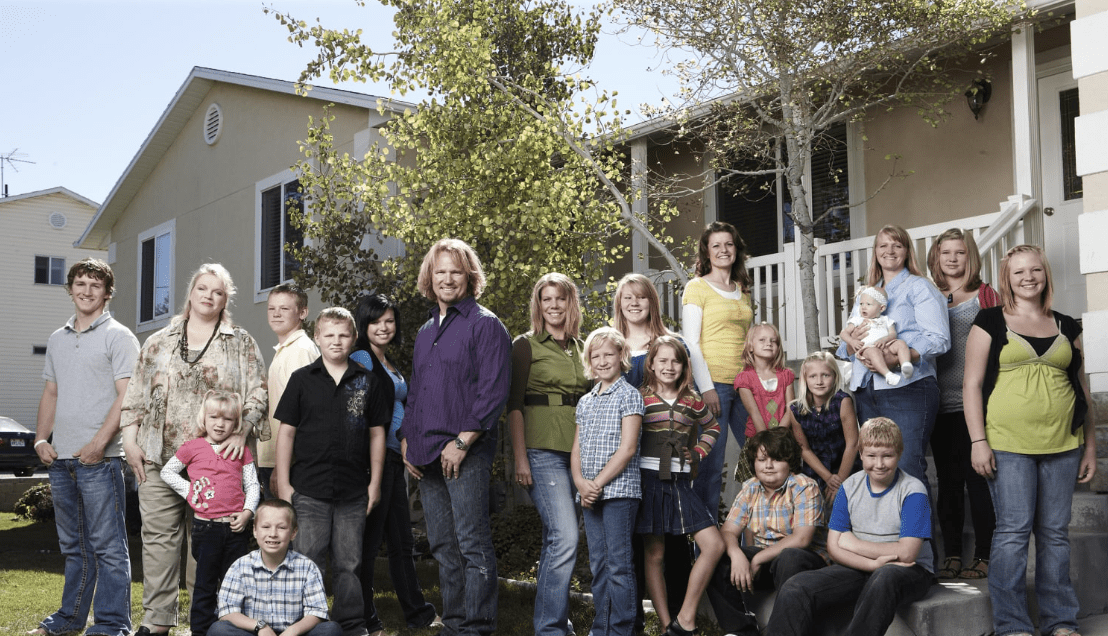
212	183
1022	156
37	233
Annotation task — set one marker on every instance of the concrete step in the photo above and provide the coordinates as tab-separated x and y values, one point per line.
952	607
1089	511
1099	482
963	607
1088	563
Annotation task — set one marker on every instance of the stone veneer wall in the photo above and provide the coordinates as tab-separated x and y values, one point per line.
1090	68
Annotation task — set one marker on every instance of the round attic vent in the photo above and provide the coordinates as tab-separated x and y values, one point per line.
213	124
58	220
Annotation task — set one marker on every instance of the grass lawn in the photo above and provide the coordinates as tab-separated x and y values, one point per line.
31	577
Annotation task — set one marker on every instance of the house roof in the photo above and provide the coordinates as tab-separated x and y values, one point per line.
41	193
180	109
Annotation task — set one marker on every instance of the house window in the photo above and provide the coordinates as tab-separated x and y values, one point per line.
278	203
1069	104
758	206
155	268
49	270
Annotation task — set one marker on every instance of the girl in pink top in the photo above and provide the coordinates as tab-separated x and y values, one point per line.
765	384
223	493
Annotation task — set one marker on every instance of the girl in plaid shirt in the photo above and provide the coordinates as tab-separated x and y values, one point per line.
605	467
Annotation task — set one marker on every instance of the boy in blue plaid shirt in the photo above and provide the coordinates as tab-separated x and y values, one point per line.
273	590
605	468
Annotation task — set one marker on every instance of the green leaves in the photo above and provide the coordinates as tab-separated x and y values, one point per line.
493	156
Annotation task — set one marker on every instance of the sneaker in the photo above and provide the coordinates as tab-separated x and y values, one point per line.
437	622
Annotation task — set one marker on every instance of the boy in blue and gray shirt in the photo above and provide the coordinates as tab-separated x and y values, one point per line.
879	537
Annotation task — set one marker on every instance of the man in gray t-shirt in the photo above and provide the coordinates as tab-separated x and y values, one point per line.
88	365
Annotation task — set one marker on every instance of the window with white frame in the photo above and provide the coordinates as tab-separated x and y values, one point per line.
49	270
758	206
278	201
155	279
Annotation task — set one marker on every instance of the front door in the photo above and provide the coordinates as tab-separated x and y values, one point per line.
1062	190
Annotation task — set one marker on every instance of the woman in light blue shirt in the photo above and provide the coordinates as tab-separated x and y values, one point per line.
377	319
919	311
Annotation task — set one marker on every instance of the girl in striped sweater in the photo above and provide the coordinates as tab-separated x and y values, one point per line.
678	431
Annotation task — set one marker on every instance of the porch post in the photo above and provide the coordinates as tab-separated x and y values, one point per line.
1025	125
640	251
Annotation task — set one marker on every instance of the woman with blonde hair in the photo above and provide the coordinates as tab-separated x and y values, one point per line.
200	350
547	381
918	311
1025	404
955	266
637	315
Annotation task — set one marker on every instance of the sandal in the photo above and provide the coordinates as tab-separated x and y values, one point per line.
977	571
949	569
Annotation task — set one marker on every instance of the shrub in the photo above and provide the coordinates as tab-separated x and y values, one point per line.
517	537
36	504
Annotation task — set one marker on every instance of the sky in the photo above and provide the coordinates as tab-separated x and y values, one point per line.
85	81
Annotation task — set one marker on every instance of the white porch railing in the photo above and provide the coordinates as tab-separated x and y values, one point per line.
839	266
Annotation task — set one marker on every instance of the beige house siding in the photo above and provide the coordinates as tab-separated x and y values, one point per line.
1094	220
34	311
682	165
960	168
210	193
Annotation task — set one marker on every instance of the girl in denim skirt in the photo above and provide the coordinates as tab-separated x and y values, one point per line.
674	415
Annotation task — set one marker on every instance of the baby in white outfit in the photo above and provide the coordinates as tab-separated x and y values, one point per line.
881	336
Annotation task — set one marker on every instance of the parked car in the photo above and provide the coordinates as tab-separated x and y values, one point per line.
17	448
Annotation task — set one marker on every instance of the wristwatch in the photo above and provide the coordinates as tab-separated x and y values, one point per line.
260	626
460	444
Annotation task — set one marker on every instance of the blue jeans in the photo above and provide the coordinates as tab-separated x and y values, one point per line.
709	480
391	522
331	524
913	407
215	547
225	628
875	596
90	513
552	493
608	527
457	515
1033	492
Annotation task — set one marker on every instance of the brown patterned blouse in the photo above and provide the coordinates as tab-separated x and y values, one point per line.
165	392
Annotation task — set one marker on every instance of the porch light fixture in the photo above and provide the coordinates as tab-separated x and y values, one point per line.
978	95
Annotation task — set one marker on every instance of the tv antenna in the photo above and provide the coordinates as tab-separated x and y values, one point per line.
11	159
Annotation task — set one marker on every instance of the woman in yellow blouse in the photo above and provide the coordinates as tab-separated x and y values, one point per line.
715	317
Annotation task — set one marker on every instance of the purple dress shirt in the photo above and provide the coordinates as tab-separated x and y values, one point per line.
461	374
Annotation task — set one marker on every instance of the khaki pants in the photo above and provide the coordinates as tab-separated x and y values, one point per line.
166	522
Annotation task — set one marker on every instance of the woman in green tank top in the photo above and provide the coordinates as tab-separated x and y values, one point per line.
1025	399
547	380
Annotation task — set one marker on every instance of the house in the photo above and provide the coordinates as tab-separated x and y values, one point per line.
212	183
1029	169
1032	168
37	233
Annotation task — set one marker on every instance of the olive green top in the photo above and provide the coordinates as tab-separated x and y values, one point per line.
542	367
1031	408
